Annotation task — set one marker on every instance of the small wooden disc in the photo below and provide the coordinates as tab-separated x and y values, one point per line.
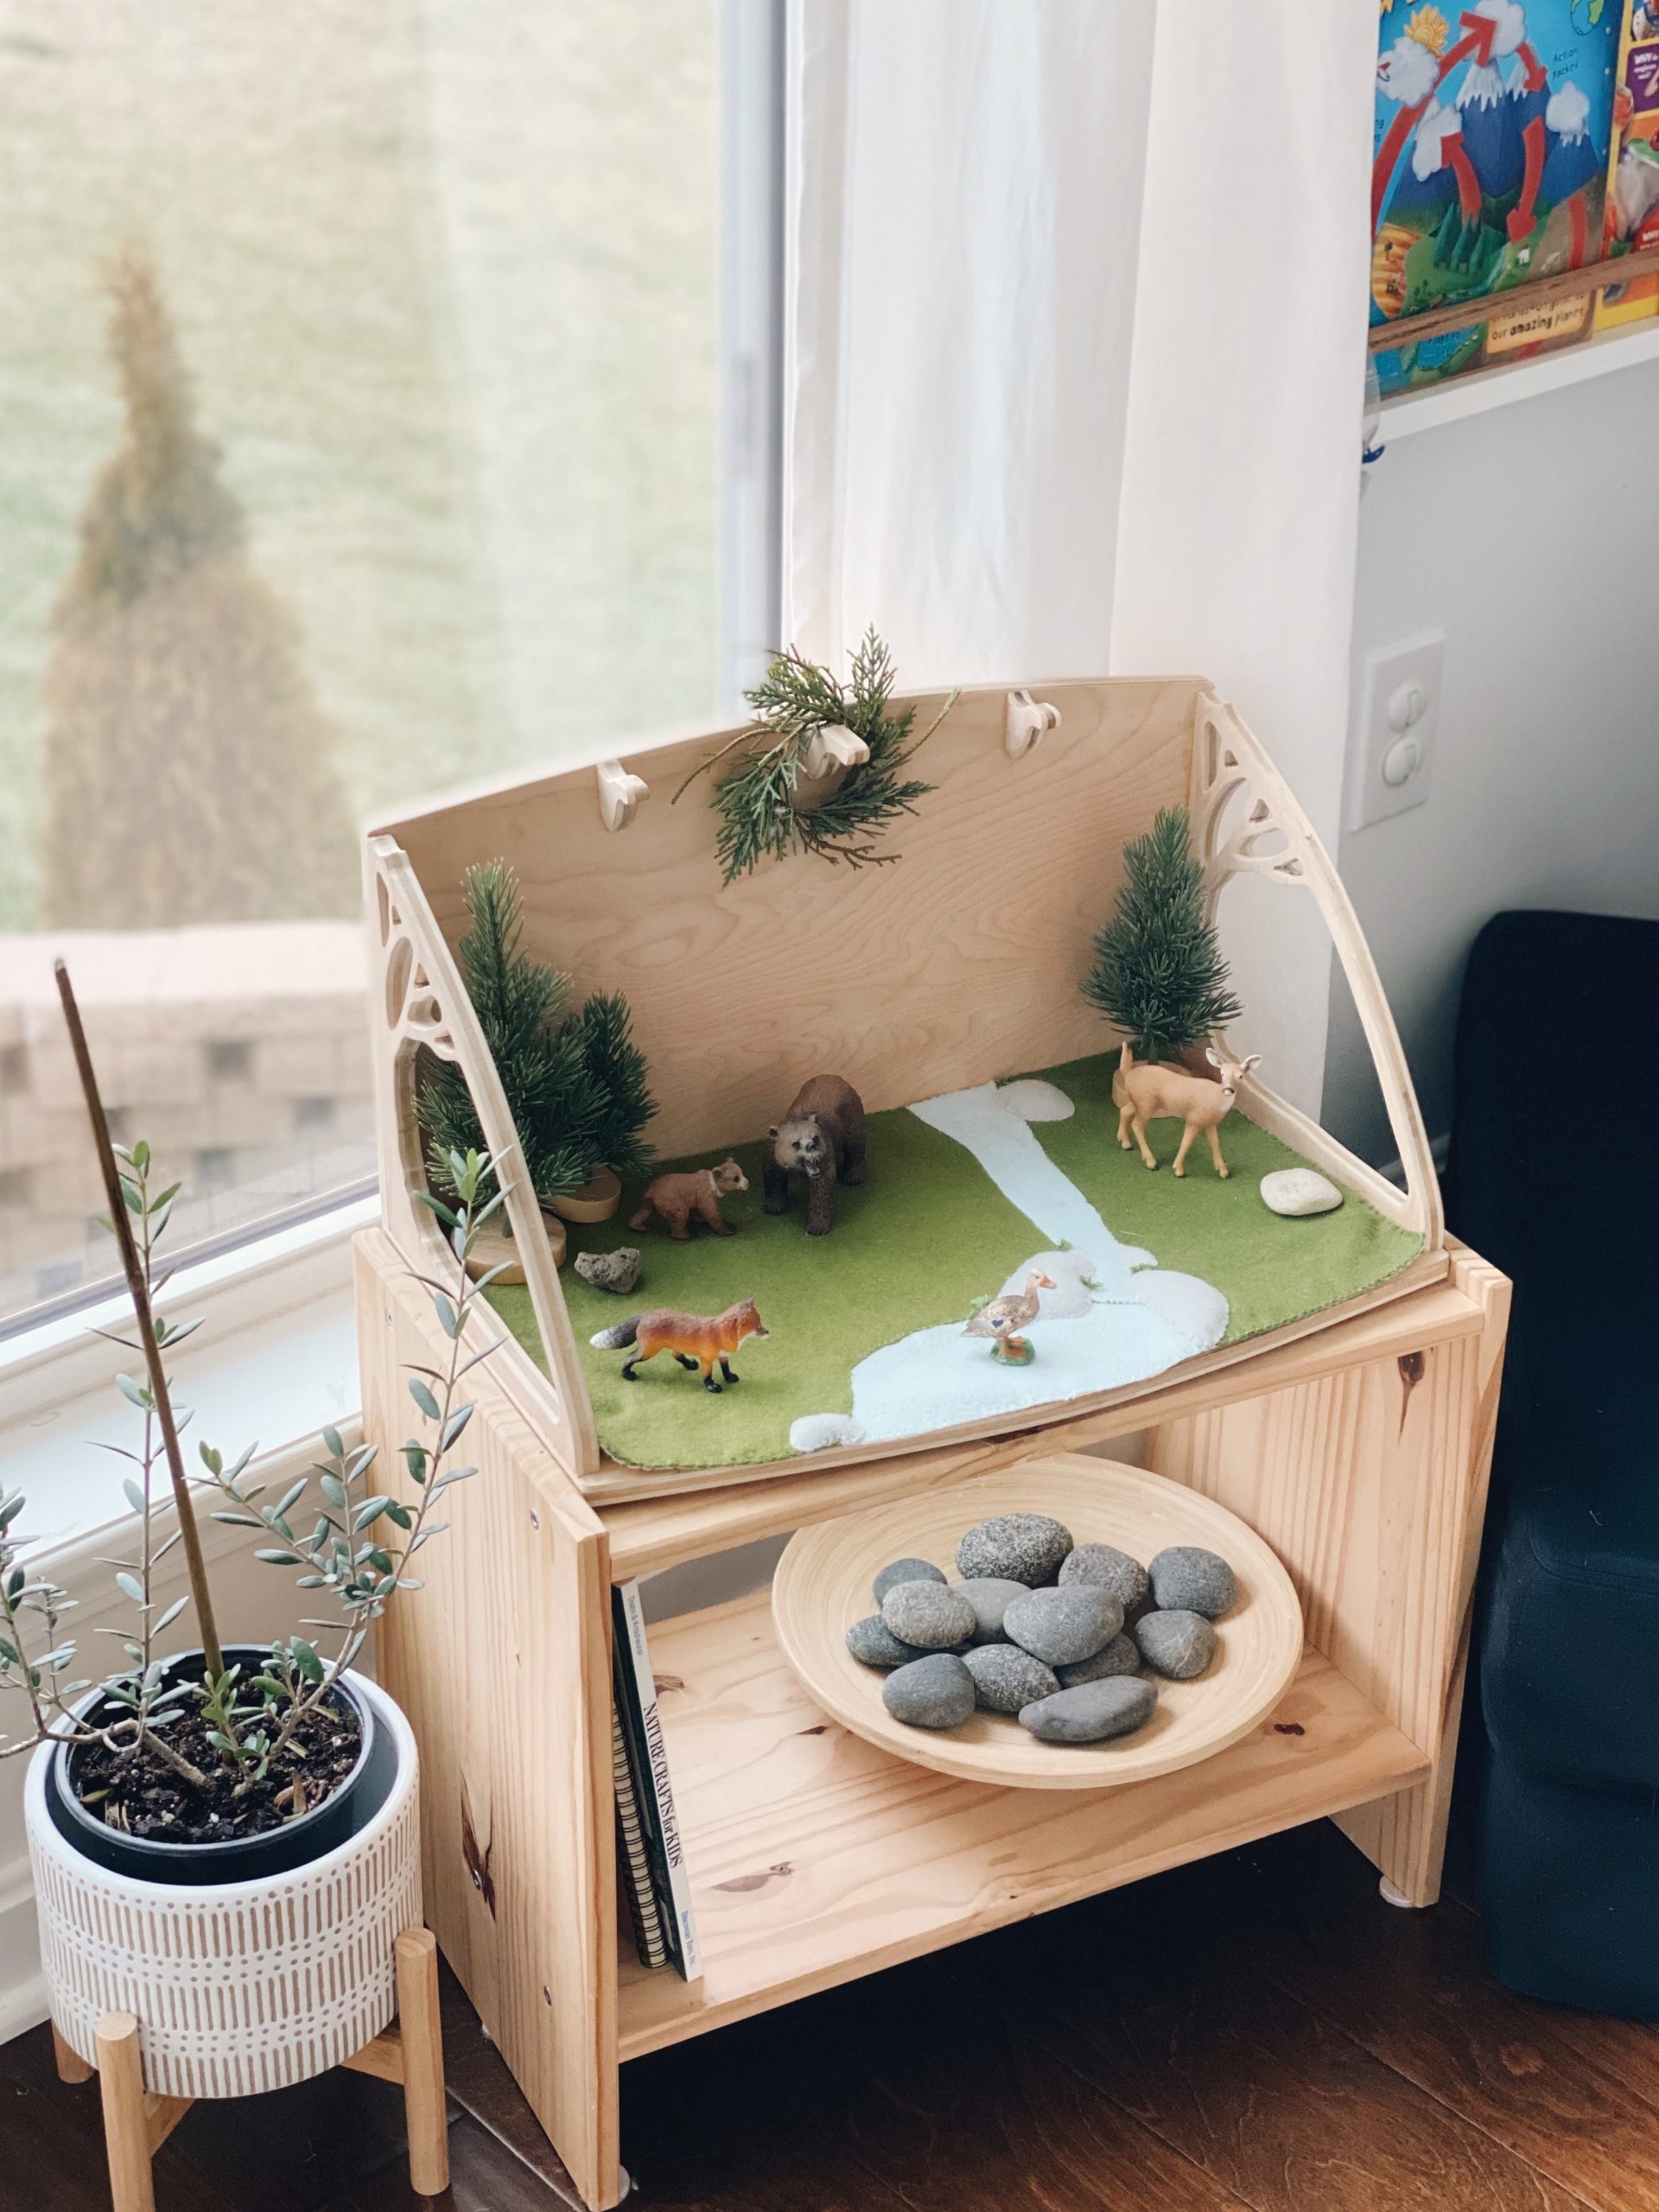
493	1248
822	1585
596	1200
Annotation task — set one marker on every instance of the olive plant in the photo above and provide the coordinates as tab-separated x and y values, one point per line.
354	1545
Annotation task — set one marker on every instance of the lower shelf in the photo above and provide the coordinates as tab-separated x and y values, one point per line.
816	1858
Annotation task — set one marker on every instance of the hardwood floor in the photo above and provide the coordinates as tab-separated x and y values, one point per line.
1259	2032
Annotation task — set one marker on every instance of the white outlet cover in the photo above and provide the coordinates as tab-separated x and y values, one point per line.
1414	665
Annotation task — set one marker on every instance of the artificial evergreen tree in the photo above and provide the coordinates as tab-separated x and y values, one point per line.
615	1069
188	769
574	1083
1158	973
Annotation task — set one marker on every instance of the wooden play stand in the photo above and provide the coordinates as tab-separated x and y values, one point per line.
1355	1443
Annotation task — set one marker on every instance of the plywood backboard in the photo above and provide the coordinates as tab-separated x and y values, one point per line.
959	964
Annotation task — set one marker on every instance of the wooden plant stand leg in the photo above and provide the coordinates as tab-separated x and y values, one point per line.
411	2054
136	2122
419	2027
72	2067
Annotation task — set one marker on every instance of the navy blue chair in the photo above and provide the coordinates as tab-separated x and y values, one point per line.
1553	1176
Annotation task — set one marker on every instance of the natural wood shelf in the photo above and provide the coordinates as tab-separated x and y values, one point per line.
648	1533
816	1858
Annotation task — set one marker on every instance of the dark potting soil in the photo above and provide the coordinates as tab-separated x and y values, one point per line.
139	1794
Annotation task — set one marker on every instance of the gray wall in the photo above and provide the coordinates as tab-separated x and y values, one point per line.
1531	536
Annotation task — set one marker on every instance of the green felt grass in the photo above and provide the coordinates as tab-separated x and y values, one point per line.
1270	1270
915	1245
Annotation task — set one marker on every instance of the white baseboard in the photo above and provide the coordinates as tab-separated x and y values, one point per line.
22	1993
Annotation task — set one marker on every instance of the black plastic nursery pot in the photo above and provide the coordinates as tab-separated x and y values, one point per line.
239	1859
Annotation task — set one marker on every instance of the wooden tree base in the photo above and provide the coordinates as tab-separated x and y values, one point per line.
138	2122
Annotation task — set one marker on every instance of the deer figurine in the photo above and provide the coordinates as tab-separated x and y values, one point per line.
1151	1091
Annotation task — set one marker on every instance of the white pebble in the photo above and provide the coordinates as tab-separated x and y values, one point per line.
1300	1190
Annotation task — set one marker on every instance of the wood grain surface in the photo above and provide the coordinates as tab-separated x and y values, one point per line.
822	1585
816	1858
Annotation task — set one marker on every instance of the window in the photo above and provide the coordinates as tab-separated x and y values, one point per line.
388	395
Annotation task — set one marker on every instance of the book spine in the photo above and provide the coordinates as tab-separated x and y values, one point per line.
632	1855
657	1790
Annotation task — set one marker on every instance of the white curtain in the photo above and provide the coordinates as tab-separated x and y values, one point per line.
964	199
1075	352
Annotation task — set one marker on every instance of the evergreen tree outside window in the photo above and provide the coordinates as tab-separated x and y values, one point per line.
364	390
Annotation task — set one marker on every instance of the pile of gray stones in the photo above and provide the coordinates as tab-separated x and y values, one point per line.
1038	1626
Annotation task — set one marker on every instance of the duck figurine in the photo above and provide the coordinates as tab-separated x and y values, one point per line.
1003	1318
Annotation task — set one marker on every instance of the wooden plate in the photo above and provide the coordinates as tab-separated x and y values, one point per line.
822	1585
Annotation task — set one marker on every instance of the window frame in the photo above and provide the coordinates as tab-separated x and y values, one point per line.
242	1284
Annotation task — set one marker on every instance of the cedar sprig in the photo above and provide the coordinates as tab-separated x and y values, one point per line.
756	798
1158	970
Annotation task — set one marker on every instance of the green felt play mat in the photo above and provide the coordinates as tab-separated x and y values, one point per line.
1148	1272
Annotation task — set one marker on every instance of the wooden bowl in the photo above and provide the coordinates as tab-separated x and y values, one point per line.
822	1585
597	1199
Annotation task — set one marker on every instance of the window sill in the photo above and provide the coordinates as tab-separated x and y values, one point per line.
275	1360
1411	412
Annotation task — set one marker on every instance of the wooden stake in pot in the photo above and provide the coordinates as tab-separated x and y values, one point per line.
139	1290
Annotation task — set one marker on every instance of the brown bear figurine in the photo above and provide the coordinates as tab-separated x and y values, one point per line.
821	1137
681	1198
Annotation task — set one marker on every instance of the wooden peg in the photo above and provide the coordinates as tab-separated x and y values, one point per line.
72	2067
619	794
1026	722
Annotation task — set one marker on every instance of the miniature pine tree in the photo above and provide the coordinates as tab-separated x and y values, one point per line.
187	769
1159	972
575	1084
616	1069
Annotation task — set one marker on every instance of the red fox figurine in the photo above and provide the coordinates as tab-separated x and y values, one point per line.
694	1340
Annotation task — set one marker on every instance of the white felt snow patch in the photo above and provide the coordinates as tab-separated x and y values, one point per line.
824	1431
1072	1276
936	1378
1197	1308
1029	1179
1114	1316
1030	1099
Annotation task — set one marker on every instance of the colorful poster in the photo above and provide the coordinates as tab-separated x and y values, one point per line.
1491	146
1632	214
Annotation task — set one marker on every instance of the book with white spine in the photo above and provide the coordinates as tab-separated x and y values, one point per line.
654	1786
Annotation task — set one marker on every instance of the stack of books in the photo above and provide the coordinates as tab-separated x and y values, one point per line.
650	1855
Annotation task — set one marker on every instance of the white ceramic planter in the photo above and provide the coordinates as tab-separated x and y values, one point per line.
246	1986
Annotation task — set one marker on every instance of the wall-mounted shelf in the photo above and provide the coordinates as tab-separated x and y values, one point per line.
1411	411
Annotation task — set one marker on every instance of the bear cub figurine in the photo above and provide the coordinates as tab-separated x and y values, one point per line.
821	1137
681	1200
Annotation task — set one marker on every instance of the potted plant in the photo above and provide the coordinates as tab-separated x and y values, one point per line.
226	1839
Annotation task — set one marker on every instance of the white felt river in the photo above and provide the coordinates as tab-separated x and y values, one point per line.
1115	1316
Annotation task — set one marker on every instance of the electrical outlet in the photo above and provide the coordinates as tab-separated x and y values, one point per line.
1400	707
